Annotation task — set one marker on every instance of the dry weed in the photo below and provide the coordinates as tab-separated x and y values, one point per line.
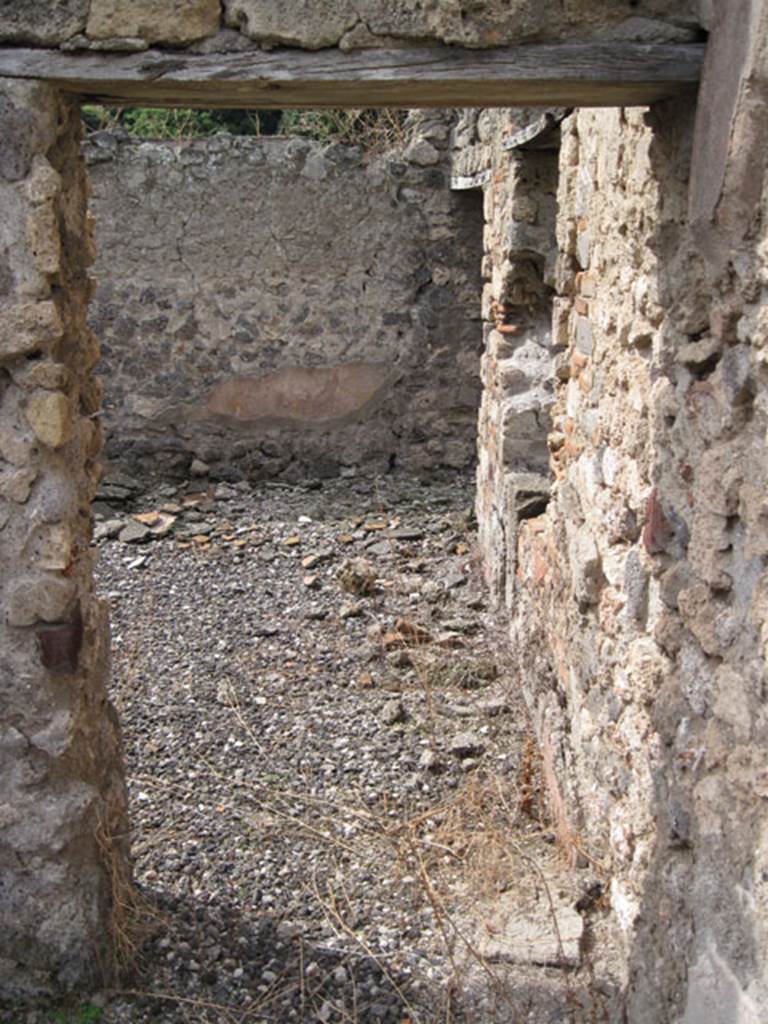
438	669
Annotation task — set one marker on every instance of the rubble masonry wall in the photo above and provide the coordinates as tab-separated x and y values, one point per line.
63	831
231	25
280	308
637	600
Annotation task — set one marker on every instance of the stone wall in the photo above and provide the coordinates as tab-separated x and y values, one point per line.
514	154
274	307
213	26
63	830
637	605
638	599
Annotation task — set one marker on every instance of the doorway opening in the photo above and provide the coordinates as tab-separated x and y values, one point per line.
325	755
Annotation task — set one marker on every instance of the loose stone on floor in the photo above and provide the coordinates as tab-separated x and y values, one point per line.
319	798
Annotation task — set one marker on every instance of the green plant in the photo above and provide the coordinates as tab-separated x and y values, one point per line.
85	1014
373	130
177	123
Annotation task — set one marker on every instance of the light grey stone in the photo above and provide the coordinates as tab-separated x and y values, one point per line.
134	533
532	935
466	744
40	598
422	153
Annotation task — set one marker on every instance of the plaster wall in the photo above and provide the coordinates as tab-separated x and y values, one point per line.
279	308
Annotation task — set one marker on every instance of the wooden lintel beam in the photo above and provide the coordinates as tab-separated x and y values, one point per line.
569	74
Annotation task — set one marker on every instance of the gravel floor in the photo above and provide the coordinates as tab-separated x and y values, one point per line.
328	765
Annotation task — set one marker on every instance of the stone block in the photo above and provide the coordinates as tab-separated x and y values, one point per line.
41	22
39	598
44	182
50	547
42	373
705	617
583	244
28	327
635	587
56	498
44	239
50	415
174	21
586	567
16	483
657	532
583	335
422	153
312	24
15	443
517	934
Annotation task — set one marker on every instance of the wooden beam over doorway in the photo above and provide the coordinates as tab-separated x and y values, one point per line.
570	74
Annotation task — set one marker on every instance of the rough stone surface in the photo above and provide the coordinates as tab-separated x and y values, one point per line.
50	416
310	25
338	331
41	598
538	932
175	22
356	23
637	601
62	799
42	22
28	327
346	23
520	248
637	597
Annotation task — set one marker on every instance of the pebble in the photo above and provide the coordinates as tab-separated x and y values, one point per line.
351	610
134	533
266	723
393	713
466	744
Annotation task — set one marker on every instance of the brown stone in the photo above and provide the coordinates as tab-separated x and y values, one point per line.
28	327
173	21
44	239
44	182
51	547
50	416
657	532
15	444
15	484
43	373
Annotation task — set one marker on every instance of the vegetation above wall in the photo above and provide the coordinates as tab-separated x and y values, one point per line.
373	130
